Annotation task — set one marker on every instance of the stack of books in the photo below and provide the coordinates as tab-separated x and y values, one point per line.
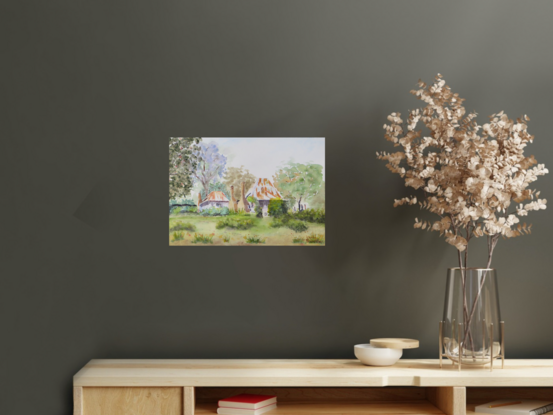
247	404
515	407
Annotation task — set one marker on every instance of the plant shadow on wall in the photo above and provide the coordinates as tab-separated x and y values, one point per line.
475	179
362	222
361	264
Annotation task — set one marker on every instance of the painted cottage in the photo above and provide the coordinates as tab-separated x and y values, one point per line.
263	190
213	200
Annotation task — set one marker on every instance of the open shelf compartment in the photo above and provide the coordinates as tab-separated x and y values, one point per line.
479	396
332	401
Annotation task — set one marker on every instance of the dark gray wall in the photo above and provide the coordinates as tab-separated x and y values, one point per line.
90	93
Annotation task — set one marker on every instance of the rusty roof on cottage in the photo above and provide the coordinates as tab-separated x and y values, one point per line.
263	189
216	197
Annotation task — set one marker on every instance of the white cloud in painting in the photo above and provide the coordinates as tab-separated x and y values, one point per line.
263	156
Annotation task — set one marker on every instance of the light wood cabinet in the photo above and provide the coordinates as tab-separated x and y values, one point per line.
132	401
323	387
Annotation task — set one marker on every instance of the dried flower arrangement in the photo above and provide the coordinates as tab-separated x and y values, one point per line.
475	178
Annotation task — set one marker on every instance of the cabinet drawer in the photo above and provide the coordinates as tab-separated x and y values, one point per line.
132	401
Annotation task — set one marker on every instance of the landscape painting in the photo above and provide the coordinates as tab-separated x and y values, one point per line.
246	191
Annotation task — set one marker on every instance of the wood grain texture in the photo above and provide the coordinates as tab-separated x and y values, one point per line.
298	395
189	400
450	400
395	343
330	408
132	401
302	373
470	409
77	400
482	395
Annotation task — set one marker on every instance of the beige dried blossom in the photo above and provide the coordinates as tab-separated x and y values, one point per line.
475	178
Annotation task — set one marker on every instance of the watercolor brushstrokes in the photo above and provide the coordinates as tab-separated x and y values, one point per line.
228	191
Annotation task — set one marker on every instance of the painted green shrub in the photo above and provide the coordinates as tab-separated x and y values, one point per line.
296	225
239	212
224	211
290	223
315	238
277	208
182	205
200	238
257	208
225	237
182	226
178	236
312	238
254	239
235	222
311	215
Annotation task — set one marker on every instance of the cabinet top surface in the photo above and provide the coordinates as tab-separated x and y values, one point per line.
305	373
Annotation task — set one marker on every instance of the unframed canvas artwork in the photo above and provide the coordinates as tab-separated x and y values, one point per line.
246	191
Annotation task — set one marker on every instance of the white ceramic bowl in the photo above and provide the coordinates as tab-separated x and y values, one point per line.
376	356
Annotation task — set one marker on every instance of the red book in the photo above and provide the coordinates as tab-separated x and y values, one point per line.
247	401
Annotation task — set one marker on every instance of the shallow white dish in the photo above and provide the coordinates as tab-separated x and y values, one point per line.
376	356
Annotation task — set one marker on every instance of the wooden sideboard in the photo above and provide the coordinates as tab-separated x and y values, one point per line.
323	387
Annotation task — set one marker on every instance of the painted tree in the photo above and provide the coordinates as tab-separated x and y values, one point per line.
211	165
318	201
235	176
299	182
184	158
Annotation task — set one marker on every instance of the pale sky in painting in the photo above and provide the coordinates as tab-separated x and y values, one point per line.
263	156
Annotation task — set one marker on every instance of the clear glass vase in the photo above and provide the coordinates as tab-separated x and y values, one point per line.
471	331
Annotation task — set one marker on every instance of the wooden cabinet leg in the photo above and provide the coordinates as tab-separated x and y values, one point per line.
77	400
189	400
450	400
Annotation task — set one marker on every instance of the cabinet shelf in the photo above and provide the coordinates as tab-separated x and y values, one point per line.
333	408
320	387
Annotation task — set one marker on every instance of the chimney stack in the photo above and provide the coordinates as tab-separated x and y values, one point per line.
244	201
233	199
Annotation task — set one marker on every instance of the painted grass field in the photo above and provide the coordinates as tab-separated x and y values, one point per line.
205	233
